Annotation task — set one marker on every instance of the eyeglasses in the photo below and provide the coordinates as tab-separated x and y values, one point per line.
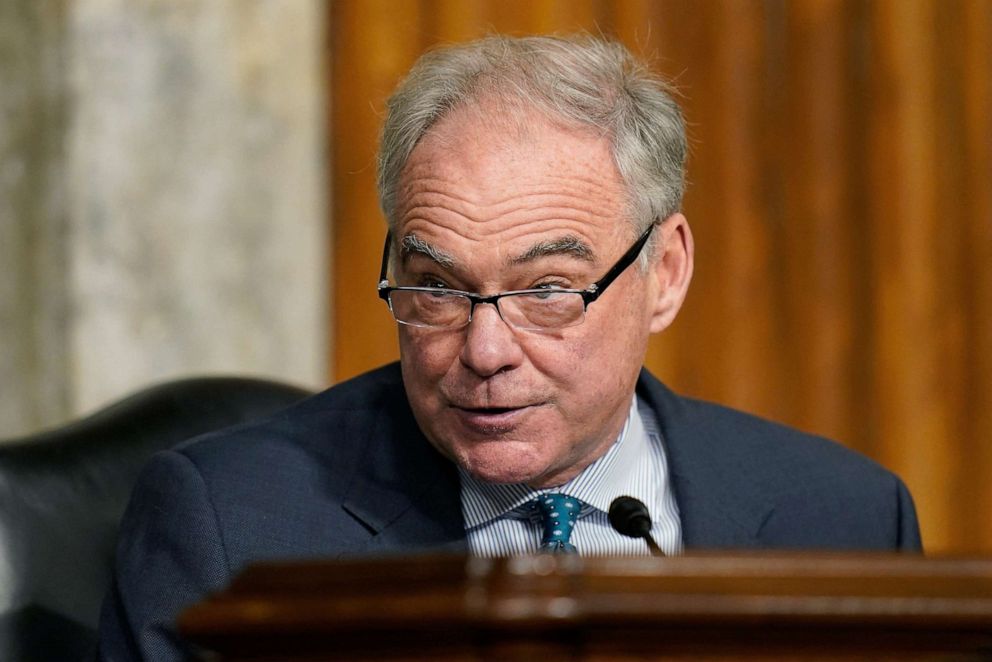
542	309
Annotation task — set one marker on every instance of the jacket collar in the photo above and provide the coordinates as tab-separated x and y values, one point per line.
718	507
403	491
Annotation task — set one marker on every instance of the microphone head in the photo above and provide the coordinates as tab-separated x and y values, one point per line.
630	517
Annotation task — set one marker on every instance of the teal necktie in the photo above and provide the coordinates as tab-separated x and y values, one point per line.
558	515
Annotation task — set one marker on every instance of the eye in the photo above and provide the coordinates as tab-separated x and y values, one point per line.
431	281
550	287
434	283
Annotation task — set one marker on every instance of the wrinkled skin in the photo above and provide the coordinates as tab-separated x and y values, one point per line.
514	406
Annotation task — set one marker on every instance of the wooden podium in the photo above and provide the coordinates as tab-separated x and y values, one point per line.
698	607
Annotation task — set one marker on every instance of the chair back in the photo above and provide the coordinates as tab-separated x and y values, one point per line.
63	491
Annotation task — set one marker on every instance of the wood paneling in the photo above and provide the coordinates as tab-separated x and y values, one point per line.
840	194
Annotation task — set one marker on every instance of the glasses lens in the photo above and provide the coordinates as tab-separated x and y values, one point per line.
433	308
543	310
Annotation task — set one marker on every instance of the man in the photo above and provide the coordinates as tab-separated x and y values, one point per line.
532	189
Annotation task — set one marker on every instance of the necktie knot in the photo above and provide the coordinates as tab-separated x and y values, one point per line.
559	513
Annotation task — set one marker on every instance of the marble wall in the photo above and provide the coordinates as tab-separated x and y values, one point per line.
162	191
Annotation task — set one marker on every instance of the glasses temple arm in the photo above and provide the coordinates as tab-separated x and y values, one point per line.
383	281
597	288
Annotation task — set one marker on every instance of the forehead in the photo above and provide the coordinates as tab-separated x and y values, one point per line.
479	175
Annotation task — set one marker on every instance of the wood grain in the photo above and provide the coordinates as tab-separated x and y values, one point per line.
756	607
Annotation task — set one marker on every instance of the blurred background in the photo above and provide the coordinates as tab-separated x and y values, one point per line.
187	187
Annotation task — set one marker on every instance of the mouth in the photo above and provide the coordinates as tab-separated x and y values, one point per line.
492	420
489	410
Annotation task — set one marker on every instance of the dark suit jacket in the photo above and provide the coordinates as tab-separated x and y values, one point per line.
348	472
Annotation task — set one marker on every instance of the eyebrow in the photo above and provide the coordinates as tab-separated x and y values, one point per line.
411	244
567	245
570	245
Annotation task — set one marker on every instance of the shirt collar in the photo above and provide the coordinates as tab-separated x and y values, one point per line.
597	485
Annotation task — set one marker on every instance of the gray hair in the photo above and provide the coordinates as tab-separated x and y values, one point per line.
580	80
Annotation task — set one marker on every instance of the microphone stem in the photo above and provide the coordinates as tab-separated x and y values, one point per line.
652	545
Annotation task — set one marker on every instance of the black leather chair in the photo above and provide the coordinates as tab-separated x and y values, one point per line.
62	493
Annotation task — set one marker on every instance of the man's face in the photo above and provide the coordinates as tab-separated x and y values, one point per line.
502	205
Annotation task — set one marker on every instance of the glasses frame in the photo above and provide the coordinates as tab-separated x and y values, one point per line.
589	294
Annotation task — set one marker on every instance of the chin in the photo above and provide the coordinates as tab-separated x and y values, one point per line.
507	476
502	467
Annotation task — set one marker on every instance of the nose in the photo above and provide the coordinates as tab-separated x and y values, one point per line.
490	344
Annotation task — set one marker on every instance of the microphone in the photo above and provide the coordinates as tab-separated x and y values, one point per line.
630	517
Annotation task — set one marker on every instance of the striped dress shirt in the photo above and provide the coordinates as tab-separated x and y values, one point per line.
498	523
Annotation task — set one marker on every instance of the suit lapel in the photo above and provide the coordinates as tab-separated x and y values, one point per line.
718	507
404	492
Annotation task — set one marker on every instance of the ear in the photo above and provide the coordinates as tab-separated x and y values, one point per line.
671	270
